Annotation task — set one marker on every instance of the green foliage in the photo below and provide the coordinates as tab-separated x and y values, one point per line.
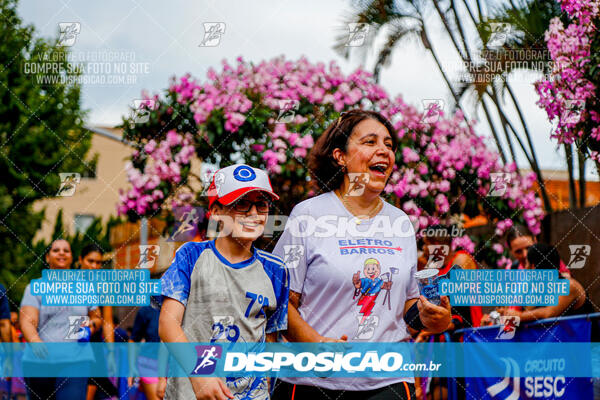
41	134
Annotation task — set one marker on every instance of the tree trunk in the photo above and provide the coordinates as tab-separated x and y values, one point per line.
427	45
449	30
582	194
533	158
572	194
533	162
504	121
494	133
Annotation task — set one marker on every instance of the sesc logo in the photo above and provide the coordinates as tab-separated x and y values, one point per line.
207	359
500	387
545	387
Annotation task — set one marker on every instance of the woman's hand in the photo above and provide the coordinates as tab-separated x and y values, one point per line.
435	318
39	349
210	389
111	364
161	387
423	336
133	373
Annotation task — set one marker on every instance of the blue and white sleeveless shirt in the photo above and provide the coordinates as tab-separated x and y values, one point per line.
226	303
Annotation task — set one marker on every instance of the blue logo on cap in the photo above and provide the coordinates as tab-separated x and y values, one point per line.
244	173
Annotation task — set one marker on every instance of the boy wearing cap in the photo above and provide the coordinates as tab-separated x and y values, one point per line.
225	290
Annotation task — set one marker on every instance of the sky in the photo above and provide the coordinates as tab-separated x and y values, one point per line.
155	40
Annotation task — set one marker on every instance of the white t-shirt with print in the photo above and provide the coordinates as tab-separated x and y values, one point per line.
354	278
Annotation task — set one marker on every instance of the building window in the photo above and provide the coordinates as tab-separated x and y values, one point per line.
83	222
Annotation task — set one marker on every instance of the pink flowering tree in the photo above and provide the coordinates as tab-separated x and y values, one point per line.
270	114
570	94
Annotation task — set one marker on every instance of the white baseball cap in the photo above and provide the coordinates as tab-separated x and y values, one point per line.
230	183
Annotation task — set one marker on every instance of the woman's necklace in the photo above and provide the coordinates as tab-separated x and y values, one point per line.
360	218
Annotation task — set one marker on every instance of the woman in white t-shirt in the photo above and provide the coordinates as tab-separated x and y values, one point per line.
352	259
54	324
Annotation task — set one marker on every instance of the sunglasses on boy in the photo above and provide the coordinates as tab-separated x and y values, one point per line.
244	205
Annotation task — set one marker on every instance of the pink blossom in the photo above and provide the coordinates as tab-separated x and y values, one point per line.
497	247
150	146
300	152
173	139
441	203
464	242
409	155
439	160
504	262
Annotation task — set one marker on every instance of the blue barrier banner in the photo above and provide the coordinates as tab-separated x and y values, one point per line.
471	359
546	377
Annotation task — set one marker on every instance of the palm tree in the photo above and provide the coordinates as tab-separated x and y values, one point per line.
405	19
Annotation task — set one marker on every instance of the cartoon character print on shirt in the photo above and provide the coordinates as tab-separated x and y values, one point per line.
367	289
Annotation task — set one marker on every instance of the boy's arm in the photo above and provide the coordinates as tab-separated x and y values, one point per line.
271	337
136	336
170	331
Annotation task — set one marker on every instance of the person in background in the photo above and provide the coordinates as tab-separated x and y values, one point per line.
5	335
437	250
145	328
41	323
18	390
431	250
462	317
15	328
91	258
5	327
518	241
543	256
